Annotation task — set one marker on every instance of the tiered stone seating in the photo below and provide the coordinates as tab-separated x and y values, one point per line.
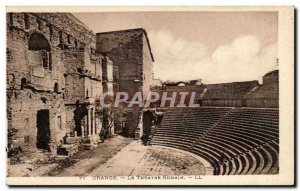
246	137
251	129
180	128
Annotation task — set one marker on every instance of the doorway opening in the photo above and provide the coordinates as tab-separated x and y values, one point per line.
43	130
148	122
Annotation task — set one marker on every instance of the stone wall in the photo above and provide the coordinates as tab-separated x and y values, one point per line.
147	66
267	94
23	107
52	69
130	52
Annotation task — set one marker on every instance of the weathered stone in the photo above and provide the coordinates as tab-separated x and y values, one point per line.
52	70
68	150
131	54
73	140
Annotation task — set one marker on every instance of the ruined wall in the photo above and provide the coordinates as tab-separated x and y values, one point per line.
23	107
51	62
74	67
83	81
73	31
32	87
267	94
271	79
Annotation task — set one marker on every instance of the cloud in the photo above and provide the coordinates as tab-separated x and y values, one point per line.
178	59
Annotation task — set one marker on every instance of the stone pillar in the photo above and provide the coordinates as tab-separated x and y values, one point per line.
88	122
82	131
92	119
94	122
112	130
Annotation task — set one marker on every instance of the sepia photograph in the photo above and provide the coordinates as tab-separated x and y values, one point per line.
150	96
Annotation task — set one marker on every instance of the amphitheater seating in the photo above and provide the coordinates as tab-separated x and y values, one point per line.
180	128
233	140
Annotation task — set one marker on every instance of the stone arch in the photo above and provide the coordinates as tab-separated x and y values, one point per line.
38	41
40	49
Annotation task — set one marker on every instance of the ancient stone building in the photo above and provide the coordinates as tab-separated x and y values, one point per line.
54	76
131	53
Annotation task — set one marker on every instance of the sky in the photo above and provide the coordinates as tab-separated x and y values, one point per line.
216	47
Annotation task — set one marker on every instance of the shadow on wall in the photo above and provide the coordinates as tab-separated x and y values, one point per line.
79	113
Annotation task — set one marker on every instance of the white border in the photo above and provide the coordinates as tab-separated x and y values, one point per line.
108	3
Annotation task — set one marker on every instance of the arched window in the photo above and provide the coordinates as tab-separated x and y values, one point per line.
40	45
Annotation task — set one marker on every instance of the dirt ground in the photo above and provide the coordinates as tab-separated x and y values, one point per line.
117	156
138	160
84	162
81	163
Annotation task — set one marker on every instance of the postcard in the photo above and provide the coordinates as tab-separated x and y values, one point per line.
150	96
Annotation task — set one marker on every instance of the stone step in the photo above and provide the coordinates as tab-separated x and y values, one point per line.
67	149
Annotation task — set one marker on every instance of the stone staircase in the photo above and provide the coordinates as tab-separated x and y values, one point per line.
72	144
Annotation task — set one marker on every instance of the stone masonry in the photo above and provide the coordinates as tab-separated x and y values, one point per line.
131	53
56	70
54	77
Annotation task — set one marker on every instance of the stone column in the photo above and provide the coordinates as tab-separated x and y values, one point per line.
94	123
89	121
112	130
82	131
